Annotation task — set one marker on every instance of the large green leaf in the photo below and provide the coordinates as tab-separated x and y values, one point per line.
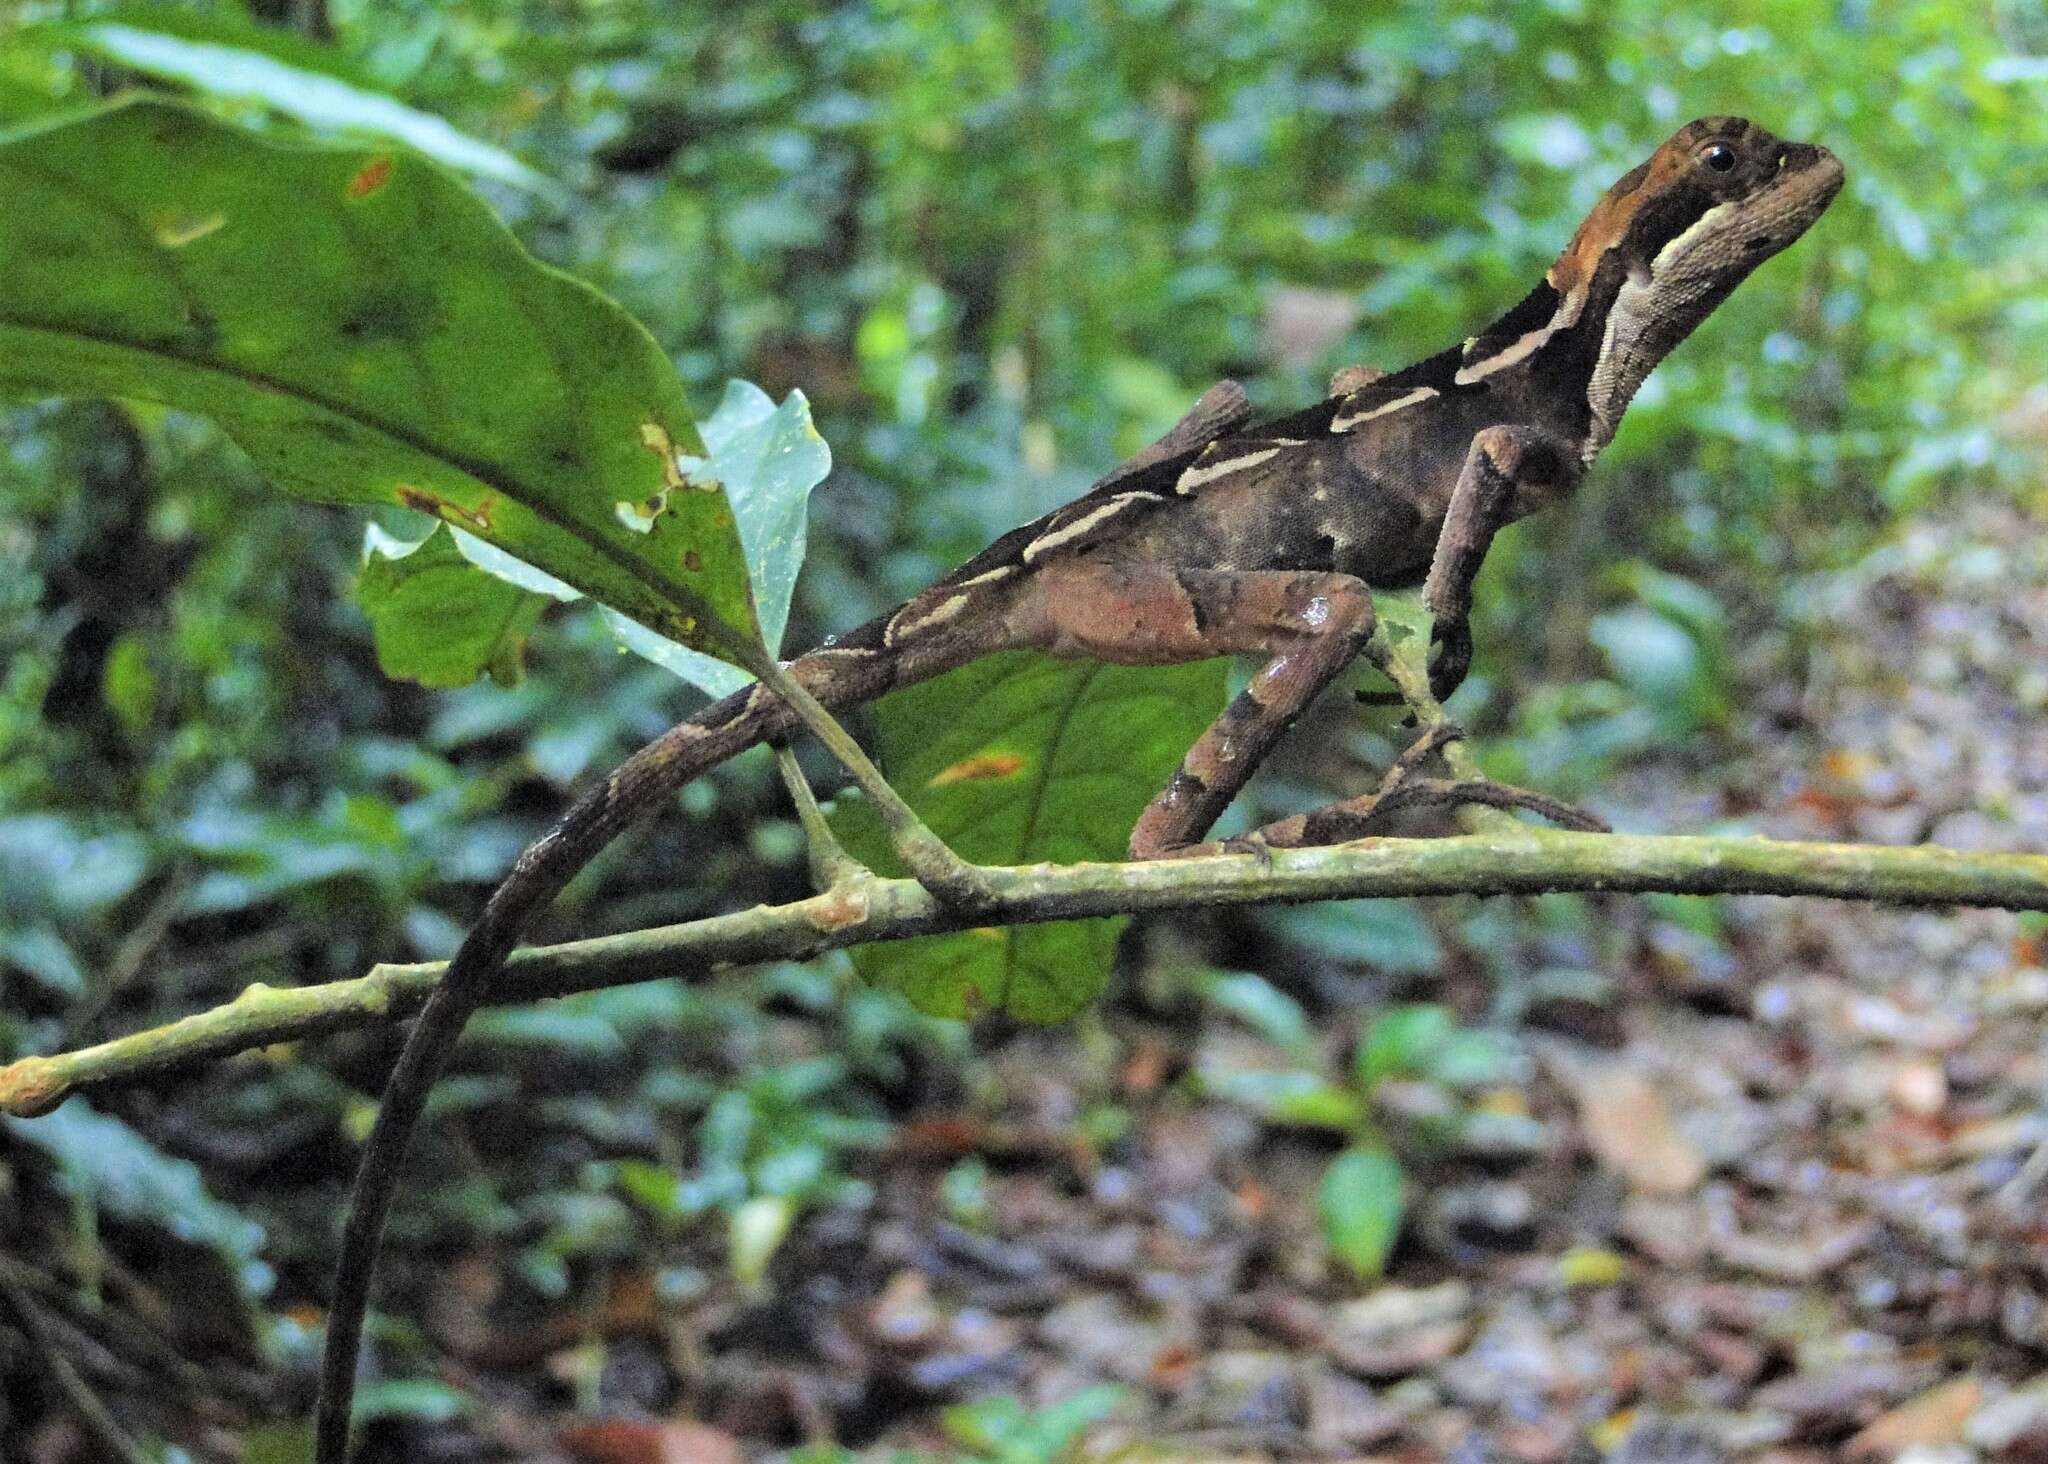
1015	759
371	334
230	56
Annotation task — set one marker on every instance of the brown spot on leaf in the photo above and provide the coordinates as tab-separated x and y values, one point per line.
478	518
383	316
983	767
370	177
693	561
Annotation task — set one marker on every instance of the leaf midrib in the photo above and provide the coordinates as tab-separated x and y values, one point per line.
682	598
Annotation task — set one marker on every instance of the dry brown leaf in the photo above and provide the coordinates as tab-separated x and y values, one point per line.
1935	1417
642	1441
1629	1129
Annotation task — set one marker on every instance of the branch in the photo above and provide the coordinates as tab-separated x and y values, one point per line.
1505	858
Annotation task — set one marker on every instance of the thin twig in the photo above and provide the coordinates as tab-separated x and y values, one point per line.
92	1413
129	957
950	878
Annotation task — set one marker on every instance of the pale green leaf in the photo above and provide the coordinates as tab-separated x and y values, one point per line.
1361	1201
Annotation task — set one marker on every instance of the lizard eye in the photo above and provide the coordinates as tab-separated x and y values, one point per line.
1718	156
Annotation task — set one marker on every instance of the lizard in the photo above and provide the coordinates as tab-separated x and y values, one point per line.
1225	537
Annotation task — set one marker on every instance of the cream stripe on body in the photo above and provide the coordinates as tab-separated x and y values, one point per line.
1202	473
1564	318
1408	399
1065	533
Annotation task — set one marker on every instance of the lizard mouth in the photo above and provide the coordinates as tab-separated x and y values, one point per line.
1810	174
1753	228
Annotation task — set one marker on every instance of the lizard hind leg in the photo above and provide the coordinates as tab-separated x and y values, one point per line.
1308	625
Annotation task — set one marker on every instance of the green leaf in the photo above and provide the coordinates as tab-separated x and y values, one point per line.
768	458
1404	1040
1654	655
1361	1200
226	56
436	619
1265	1008
1292	1096
551	1029
1014	759
1468	1058
51	866
1004	1428
116	1169
361	324
424	1400
128	684
46	956
1387	934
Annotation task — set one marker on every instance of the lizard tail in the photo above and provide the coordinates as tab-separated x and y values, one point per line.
637	787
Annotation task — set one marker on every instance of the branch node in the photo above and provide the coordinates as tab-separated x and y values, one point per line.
948	878
31	1086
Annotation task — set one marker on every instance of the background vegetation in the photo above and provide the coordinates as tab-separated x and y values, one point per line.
997	246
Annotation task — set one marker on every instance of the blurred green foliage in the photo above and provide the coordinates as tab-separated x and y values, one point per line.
1414	1075
996	245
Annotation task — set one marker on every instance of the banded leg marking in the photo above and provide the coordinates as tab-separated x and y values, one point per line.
1508	472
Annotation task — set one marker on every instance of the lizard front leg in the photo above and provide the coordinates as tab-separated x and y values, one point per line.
1509	472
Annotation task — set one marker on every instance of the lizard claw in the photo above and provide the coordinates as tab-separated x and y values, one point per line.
1453	660
1252	843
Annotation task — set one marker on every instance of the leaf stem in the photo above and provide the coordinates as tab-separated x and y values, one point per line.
831	865
951	879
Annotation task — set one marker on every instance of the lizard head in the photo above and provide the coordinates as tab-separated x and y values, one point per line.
1669	241
1720	197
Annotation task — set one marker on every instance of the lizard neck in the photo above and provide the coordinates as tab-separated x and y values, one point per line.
1573	353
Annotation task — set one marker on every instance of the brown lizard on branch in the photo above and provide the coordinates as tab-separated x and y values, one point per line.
1222	539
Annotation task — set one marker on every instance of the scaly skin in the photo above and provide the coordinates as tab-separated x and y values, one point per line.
1219	540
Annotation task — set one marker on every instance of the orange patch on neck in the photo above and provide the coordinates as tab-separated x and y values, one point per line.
1608	224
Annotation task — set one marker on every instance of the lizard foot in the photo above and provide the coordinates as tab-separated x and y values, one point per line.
1252	843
